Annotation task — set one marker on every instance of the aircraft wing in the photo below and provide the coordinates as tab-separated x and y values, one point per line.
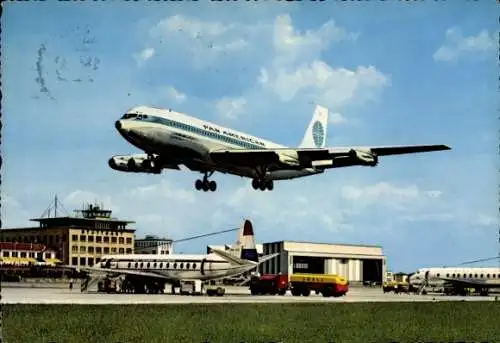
121	272
310	157
231	258
267	257
473	283
238	261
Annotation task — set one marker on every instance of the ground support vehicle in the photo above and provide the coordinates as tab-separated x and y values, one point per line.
299	284
269	284
396	287
326	284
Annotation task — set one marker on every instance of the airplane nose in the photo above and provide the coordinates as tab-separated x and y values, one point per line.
111	163
118	125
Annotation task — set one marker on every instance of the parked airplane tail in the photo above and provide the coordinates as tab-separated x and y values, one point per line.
247	241
315	136
246	247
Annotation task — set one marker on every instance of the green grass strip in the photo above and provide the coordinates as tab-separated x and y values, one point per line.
227	323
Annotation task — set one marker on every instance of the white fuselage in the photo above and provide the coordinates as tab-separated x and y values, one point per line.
176	267
166	132
435	276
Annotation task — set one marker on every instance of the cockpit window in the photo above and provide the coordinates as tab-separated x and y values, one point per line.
129	115
141	117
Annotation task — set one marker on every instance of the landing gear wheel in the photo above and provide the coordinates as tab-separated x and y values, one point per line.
205	184
198	185
270	185
212	185
262	184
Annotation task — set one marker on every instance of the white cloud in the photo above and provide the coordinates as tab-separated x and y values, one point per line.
297	70
323	84
192	28
292	45
389	195
457	46
486	220
230	107
144	55
175	95
203	41
336	118
16	214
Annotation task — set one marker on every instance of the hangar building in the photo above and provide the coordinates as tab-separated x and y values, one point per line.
358	263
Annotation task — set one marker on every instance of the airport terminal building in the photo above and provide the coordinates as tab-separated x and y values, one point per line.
358	263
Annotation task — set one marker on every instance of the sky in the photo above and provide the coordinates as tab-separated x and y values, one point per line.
420	73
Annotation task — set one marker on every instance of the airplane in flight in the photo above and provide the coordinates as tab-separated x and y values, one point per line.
152	272
170	139
456	280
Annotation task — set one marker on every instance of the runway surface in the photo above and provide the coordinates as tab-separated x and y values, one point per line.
233	295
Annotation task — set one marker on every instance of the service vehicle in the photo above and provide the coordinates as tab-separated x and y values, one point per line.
396	287
326	284
300	284
269	284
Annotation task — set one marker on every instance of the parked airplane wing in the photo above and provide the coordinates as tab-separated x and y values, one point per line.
238	261
305	157
231	258
267	257
120	272
473	283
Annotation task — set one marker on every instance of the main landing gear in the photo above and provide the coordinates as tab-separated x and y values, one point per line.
205	184
262	184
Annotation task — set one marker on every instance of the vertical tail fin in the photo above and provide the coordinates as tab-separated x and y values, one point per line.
247	240
315	136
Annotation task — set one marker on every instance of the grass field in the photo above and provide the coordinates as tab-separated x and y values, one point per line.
227	323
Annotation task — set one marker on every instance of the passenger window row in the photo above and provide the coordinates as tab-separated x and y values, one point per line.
471	275
161	265
189	128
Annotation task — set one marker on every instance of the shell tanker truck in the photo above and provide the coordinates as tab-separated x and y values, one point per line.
299	284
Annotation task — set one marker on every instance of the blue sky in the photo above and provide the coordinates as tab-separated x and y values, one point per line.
422	73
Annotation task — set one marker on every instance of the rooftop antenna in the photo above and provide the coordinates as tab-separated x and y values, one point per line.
55	206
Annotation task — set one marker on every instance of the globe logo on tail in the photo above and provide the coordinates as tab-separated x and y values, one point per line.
318	133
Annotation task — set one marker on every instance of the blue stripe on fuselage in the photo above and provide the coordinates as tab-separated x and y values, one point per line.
199	131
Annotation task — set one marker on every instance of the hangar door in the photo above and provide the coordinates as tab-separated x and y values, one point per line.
372	270
309	265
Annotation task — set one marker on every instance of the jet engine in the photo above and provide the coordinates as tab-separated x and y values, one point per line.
365	157
139	163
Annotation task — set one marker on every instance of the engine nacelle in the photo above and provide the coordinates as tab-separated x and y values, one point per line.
365	157
289	157
139	163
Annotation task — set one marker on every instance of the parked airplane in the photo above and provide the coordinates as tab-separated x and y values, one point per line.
456	280
170	139
154	271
